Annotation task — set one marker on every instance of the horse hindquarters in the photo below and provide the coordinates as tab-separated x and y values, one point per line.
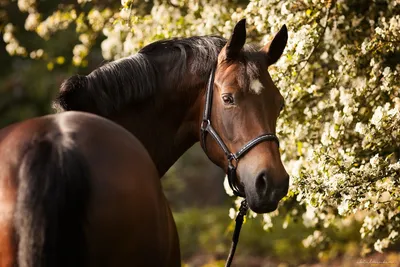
52	192
101	206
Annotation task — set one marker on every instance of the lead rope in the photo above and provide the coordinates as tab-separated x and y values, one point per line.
238	226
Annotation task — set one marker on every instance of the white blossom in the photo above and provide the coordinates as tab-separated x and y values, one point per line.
360	128
32	21
227	188
26	5
377	117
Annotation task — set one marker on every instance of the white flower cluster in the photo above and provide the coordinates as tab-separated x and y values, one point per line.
59	20
316	238
26	5
12	44
32	21
341	128
131	30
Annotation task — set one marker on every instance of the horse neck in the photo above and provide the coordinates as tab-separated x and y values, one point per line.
166	127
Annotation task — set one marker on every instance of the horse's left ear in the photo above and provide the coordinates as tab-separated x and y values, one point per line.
274	49
237	40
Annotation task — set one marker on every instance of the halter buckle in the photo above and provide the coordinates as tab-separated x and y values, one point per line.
204	124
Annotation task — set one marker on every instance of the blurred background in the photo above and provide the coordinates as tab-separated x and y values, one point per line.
45	42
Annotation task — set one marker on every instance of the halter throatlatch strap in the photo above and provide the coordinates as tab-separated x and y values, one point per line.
232	178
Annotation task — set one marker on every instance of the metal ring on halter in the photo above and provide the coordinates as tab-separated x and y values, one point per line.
205	124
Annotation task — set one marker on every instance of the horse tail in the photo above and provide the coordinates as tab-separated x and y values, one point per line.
51	205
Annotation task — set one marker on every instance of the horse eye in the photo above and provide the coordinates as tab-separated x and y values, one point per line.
228	99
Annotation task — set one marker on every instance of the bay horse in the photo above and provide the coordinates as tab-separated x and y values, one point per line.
79	190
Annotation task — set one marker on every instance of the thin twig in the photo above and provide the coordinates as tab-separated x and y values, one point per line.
329	6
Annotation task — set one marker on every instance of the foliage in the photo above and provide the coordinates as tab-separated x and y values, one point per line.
203	232
340	76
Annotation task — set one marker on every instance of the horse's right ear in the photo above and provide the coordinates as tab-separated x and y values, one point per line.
237	40
274	49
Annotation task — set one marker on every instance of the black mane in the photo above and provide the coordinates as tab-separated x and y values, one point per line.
134	79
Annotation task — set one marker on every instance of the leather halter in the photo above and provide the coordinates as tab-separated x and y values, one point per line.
206	127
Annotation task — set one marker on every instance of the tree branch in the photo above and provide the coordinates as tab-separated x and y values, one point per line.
329	7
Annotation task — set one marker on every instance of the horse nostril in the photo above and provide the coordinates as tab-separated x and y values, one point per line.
282	190
262	183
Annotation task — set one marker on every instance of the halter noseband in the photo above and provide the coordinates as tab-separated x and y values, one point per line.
206	127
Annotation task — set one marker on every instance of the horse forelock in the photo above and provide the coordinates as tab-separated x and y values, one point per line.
251	66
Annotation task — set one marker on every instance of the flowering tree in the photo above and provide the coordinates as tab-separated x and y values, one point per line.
340	131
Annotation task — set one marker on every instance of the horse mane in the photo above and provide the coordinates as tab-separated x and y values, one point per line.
109	87
135	79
